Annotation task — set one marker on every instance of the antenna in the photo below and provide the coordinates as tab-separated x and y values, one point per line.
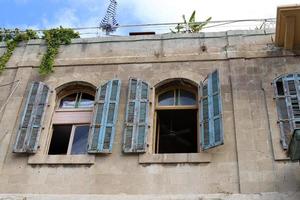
109	23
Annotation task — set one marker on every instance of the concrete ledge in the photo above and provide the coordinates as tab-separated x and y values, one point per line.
175	158
61	160
260	196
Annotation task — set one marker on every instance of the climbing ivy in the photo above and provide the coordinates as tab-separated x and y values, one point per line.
54	38
12	38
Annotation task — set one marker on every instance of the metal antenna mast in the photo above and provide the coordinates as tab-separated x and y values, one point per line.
109	23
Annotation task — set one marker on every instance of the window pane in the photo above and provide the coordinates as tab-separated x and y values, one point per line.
187	98
79	145
87	101
60	139
166	99
68	101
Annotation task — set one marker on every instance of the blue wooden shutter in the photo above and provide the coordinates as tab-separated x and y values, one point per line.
102	131
136	119
211	112
32	118
287	95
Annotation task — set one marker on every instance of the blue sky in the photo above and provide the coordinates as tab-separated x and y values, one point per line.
41	14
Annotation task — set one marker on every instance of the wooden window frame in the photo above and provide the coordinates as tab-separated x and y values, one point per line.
157	107
64	94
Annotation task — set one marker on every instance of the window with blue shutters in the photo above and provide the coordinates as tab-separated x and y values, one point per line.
71	119
32	119
136	119
211	112
102	131
287	96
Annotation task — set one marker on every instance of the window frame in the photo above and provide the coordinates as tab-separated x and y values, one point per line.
158	107
71	139
176	107
64	94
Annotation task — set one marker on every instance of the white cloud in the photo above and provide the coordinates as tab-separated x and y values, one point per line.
83	13
171	10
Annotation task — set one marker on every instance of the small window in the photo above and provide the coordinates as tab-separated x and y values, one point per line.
69	139
77	100
287	95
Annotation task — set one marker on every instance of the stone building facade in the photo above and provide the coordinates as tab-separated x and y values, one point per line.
249	160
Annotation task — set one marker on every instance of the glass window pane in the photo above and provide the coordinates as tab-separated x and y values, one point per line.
187	98
86	101
68	101
166	99
79	145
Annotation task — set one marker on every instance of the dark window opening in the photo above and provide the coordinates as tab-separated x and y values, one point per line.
279	85
176	131
60	139
69	139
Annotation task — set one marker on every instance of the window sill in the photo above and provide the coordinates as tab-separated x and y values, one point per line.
74	110
61	160
175	158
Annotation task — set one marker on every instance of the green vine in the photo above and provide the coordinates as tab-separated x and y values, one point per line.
54	38
12	38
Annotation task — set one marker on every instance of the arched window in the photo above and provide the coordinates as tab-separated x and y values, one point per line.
72	118
287	95
177	117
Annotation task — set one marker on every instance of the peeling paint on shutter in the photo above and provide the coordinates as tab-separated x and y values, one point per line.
102	131
287	95
136	120
32	118
211	112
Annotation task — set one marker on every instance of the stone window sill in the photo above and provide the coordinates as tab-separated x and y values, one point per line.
175	158
61	160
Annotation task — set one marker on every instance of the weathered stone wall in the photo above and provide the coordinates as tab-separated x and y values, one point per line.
250	161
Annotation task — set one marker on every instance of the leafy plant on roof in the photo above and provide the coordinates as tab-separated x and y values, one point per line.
12	38
54	38
190	26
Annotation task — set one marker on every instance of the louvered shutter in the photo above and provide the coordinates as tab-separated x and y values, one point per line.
105	114
136	119
211	112
287	95
32	118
